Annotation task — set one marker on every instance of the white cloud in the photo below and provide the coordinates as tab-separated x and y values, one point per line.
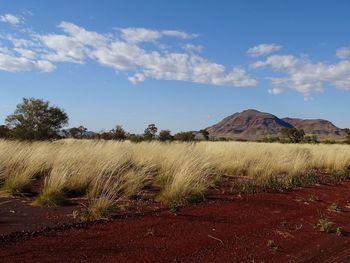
136	34
305	76
185	67
277	62
11	19
19	42
74	46
178	34
63	48
193	48
26	53
139	34
275	91
343	52
83	36
127	56
123	53
16	63
263	49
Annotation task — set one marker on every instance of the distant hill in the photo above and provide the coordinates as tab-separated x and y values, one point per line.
86	133
254	125
324	129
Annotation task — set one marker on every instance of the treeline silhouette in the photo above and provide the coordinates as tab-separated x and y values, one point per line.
35	119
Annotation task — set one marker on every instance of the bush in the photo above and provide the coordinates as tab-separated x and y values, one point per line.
293	135
77	132
205	134
164	135
311	139
4	132
118	133
184	136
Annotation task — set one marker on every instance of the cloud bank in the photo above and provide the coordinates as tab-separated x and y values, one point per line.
305	76
11	19
141	53
263	49
121	50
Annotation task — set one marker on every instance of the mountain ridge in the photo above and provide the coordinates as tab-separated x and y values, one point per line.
252	124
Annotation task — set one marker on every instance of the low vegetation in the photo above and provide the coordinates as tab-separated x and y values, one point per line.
110	171
334	207
115	166
271	244
339	231
325	225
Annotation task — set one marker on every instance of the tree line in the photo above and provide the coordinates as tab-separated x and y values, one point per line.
35	119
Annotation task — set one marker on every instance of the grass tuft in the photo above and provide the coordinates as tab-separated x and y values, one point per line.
110	172
325	225
334	207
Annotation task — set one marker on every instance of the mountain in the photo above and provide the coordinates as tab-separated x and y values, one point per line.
324	129
248	125
254	125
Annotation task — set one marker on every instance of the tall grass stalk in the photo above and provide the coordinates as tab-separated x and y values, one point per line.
107	171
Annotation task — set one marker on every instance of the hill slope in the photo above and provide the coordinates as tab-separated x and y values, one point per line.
254	125
249	125
322	128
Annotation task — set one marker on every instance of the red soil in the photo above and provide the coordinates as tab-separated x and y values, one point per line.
227	228
17	214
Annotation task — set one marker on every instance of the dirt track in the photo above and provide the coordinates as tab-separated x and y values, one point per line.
223	229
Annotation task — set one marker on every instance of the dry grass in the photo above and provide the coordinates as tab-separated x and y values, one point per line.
106	171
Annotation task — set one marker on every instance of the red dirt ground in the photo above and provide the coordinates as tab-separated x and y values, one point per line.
17	214
226	228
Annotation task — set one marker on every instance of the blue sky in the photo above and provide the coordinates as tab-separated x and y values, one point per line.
183	65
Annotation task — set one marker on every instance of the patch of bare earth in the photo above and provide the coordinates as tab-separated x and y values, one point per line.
225	228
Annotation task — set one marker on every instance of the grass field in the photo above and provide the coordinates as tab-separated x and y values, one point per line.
108	171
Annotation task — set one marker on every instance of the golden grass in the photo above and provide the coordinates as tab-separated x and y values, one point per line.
106	171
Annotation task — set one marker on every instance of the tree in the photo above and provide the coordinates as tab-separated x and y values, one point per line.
150	132
35	119
77	132
184	136
347	131
4	132
293	135
104	135
118	133
313	139
165	135
205	134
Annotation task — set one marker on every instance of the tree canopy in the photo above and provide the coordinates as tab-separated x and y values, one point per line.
185	136
165	135
150	132
35	119
293	135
